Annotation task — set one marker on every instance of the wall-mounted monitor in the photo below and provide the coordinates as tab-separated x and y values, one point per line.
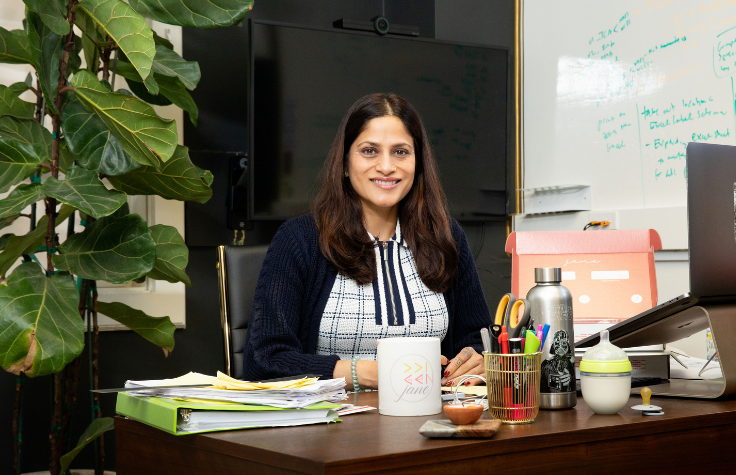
303	80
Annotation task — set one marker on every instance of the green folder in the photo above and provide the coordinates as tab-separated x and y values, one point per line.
169	414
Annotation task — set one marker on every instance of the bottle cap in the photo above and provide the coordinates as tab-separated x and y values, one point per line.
547	274
605	357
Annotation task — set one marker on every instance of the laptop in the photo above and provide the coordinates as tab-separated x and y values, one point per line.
711	216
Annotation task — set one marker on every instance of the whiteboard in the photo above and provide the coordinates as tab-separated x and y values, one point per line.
613	91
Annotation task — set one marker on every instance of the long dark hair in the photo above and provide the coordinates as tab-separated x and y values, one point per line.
425	222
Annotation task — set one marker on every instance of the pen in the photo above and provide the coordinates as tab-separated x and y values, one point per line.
522	335
486	339
495	333
544	335
503	340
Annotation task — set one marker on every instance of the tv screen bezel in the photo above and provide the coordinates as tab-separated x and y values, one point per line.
252	161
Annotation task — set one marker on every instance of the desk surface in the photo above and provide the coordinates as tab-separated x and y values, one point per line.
692	434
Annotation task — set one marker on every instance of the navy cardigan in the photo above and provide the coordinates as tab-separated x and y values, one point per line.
292	292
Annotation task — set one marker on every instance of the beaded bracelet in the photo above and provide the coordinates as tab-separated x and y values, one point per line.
354	370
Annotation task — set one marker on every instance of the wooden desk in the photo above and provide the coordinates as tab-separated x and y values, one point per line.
691	436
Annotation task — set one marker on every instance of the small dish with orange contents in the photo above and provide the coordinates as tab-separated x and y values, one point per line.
463	413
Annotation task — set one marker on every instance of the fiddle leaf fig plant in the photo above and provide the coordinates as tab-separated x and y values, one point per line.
102	144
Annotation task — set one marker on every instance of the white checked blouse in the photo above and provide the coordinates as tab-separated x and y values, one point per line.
395	304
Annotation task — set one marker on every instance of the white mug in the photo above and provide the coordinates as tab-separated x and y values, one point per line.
409	376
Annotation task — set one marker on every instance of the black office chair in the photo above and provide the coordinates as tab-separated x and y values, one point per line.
238	269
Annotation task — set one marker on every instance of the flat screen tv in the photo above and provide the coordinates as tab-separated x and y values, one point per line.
302	80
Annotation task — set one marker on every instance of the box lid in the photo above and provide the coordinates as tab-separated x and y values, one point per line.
583	242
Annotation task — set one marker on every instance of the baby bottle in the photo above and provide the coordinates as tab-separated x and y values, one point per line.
605	377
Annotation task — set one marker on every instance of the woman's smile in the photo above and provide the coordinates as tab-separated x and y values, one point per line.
385	184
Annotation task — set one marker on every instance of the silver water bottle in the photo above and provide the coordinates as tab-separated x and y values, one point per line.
551	303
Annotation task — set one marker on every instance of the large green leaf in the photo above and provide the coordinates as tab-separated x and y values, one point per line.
14	47
46	50
28	131
111	249
160	40
40	327
11	104
174	90
66	157
21	197
196	13
142	93
142	133
178	179
18	245
19	87
206	175
52	12
17	162
91	142
168	63
170	91
127	28
96	428
157	330
172	255
84	190
135	82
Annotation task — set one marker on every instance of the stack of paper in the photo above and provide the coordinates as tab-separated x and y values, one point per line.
191	416
294	394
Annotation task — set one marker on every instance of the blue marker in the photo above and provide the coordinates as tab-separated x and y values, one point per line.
544	336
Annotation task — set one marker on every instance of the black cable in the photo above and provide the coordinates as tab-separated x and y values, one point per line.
482	240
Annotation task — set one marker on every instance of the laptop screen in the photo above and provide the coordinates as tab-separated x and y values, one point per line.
711	212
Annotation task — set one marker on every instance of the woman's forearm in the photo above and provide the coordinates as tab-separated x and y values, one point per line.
367	374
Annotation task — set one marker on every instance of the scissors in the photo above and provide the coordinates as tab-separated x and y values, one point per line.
507	314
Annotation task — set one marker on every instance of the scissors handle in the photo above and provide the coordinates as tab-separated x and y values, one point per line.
507	301
514	322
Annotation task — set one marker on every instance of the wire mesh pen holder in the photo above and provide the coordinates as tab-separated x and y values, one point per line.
513	386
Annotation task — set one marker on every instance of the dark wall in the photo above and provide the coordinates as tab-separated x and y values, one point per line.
487	23
221	96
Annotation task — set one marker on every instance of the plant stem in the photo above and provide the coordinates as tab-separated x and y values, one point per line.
71	383
95	378
56	437
16	422
40	106
106	61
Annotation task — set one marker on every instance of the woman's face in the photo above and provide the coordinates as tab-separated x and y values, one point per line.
381	164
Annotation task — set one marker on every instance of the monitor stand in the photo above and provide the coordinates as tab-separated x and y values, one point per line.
722	321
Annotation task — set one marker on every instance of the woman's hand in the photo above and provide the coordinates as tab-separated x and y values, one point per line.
467	362
367	373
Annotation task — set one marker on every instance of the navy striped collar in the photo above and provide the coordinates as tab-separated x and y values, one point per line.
397	237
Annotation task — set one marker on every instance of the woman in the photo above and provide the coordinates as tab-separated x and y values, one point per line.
378	257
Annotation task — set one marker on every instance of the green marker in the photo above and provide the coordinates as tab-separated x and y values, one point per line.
532	343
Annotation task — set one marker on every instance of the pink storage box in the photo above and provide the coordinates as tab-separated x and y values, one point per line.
610	274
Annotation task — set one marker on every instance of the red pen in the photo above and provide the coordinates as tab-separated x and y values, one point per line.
503	339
